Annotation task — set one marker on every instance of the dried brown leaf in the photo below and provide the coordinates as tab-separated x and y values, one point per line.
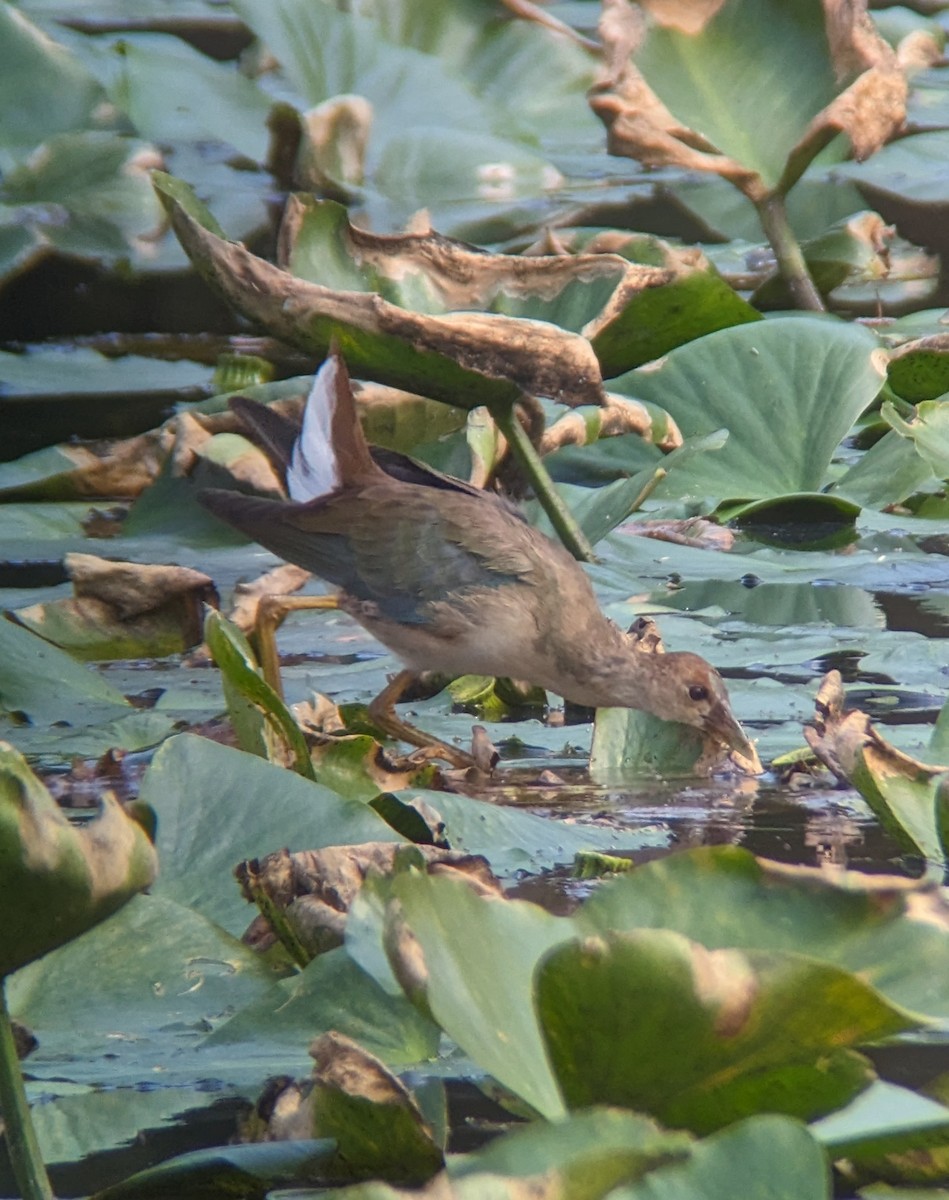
690	531
688	16
841	740
341	1063
618	416
640	126
466	359
313	889
281	581
134	588
331	159
870	109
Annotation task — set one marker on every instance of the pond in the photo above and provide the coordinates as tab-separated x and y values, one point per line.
646	965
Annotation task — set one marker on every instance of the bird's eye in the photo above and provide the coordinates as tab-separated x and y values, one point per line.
697	692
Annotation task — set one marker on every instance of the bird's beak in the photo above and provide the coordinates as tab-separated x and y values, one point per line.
720	723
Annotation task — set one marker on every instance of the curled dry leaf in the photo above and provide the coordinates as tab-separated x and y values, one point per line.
107	470
305	897
690	531
465	359
374	1119
331	159
869	109
461	277
909	797
133	588
58	880
123	609
618	416
281	581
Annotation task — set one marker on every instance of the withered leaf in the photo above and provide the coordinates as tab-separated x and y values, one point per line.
306	896
123	609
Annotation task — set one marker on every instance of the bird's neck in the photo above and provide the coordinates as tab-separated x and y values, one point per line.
603	668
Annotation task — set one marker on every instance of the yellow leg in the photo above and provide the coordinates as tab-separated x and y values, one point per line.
382	711
272	611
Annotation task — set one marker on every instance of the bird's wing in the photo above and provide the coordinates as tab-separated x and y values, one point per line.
398	546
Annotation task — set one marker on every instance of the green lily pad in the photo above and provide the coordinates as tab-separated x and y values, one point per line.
617	1009
59	880
787	391
211	816
212	100
628	743
919	369
596	1148
47	685
888	473
913	169
330	993
722	896
762	1156
750	82
929	432
136	993
480	957
249	1170
45	89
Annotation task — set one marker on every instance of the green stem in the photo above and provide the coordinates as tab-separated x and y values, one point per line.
560	516
774	221
22	1146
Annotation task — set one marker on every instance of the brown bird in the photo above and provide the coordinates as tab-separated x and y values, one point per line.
451	578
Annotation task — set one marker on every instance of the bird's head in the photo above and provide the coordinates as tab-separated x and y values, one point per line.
693	693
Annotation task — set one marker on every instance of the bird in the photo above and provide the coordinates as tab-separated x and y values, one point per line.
449	577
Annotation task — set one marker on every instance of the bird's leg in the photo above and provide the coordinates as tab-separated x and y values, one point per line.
272	611
382	711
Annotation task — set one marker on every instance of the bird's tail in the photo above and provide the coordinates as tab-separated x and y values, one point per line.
328	451
331	452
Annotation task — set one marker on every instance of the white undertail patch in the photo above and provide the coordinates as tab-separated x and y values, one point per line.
314	470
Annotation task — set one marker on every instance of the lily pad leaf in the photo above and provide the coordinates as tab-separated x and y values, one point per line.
928	430
478	966
603	1001
227	1170
47	684
263	723
700	90
630	311
909	798
919	369
123	610
331	992
58	879
629	743
893	933
888	473
380	341
763	1156
595	1148
375	1120
805	508
787	390
211	816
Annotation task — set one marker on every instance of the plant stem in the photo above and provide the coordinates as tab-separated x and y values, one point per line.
23	1148
560	516
774	221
